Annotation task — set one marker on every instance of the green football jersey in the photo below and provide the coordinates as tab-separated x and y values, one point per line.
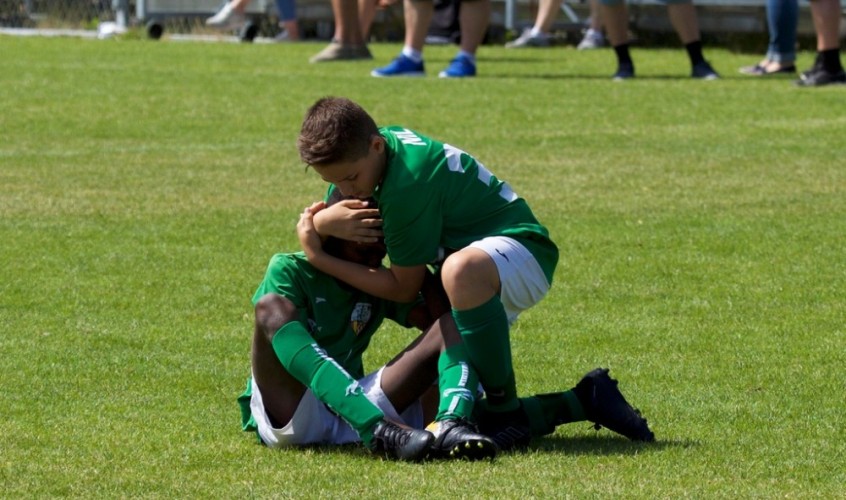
435	195
341	319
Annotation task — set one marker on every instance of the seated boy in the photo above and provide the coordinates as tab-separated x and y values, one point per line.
297	398
311	331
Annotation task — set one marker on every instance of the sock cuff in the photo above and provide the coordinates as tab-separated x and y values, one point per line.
411	53
577	411
452	356
623	55
831	60
537	420
694	52
290	340
482	314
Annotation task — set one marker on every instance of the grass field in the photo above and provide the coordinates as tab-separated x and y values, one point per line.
144	186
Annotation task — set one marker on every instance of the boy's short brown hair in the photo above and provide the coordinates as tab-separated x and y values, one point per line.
335	129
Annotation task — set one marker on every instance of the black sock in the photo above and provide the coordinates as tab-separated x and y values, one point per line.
623	56
818	61
830	60
694	51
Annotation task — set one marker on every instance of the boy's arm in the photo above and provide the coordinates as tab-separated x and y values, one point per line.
349	220
435	304
397	283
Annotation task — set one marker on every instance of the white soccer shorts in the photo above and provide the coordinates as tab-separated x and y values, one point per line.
313	423
521	277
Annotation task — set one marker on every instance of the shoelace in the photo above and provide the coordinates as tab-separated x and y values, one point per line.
393	436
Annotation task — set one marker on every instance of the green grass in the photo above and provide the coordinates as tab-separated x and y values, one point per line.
144	185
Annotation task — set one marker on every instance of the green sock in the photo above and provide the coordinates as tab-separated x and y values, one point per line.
484	330
546	411
457	382
308	363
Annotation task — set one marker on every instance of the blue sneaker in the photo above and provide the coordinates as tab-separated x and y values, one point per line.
460	67
401	66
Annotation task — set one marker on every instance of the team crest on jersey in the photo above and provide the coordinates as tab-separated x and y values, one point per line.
360	317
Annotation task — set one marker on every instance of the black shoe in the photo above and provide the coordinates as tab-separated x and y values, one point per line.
817	66
400	441
703	71
509	430
818	76
605	406
458	438
624	72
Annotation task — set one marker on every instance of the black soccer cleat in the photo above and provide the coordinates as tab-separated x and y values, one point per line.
509	430
400	441
459	439
605	406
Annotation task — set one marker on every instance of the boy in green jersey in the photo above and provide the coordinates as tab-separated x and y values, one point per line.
433	198
311	331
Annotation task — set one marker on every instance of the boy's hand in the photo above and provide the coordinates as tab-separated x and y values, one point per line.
310	240
349	220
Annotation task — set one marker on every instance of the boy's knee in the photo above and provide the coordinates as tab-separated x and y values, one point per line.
469	269
273	311
456	269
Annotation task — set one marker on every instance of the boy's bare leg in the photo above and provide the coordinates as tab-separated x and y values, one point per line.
414	370
281	392
474	18
685	22
418	16
826	17
438	355
827	68
616	21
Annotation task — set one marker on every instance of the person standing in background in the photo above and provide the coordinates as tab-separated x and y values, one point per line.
827	68
615	17
782	19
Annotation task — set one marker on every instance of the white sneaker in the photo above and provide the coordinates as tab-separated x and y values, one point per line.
227	18
527	39
593	40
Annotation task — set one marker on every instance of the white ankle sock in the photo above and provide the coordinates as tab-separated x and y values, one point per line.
414	55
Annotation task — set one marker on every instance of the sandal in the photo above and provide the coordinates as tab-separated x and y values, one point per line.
761	70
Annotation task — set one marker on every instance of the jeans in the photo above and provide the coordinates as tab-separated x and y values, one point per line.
782	17
288	10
